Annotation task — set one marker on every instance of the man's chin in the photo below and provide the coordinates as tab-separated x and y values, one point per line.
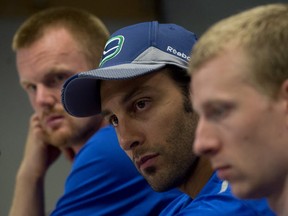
58	138
247	191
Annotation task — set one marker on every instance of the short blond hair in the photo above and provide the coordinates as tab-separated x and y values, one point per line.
261	33
87	30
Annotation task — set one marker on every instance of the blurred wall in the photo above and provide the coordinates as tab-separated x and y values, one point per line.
195	15
198	15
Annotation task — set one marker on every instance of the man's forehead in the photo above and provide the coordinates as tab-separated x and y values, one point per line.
127	83
124	90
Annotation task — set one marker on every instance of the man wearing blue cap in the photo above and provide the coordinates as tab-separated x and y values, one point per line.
50	46
142	89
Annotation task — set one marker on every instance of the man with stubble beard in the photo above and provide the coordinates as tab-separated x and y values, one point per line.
51	46
142	88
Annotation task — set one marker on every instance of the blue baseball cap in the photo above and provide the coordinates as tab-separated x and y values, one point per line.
130	52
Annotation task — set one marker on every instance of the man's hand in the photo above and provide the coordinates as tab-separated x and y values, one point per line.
39	154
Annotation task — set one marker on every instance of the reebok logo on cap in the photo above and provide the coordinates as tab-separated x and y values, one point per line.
130	52
175	52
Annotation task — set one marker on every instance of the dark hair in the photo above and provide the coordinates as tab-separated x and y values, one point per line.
182	79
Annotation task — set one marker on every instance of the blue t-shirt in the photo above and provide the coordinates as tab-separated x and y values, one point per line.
104	181
216	199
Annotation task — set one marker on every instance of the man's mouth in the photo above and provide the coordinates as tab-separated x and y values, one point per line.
53	121
146	161
223	172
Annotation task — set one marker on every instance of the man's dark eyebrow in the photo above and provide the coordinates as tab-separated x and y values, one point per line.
136	90
127	97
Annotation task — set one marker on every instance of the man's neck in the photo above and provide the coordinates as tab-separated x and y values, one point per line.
76	146
198	179
279	201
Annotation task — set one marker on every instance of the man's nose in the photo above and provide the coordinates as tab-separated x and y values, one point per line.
45	97
129	134
206	141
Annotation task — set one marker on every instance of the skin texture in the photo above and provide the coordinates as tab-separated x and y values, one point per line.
242	130
42	69
154	130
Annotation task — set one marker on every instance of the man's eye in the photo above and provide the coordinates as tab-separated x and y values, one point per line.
219	112
57	80
61	77
114	120
141	105
30	88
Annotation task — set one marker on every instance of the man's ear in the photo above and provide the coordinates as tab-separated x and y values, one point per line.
285	88
284	93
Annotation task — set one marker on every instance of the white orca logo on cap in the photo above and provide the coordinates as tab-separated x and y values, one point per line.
117	44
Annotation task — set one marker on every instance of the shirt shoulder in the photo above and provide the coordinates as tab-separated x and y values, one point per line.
217	199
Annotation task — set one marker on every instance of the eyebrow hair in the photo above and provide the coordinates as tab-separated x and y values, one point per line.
136	90
56	71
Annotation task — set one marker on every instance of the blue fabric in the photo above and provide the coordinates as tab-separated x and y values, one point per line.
127	44
130	52
211	202
103	181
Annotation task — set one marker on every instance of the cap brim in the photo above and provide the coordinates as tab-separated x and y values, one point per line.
81	92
